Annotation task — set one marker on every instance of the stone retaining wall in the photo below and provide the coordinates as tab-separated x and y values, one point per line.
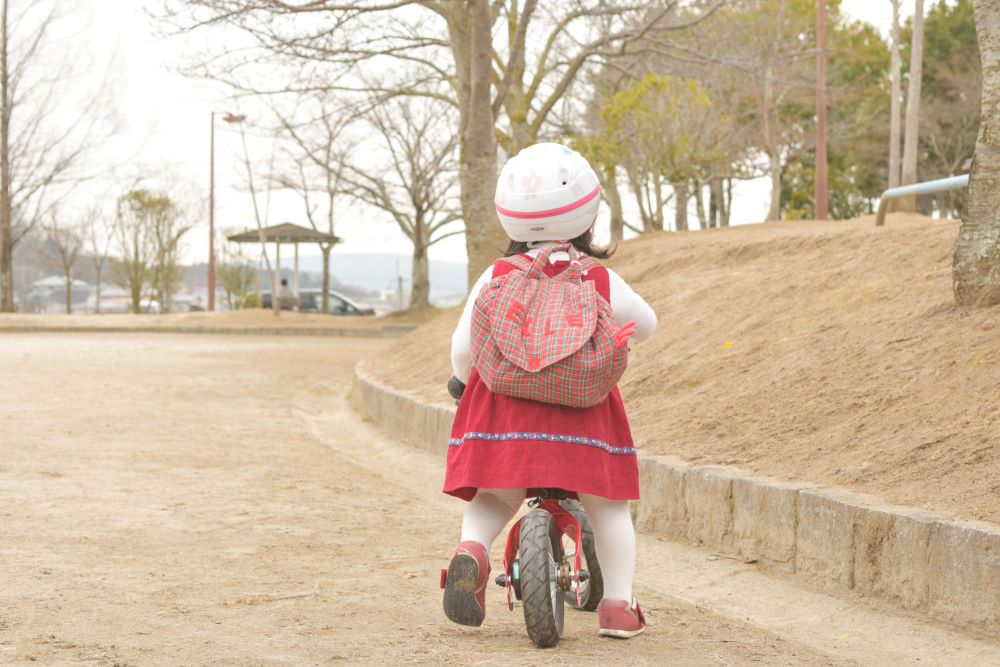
827	537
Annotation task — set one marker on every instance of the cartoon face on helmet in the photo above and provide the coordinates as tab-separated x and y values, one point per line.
547	192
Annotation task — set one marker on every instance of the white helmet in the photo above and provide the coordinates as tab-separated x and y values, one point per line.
547	192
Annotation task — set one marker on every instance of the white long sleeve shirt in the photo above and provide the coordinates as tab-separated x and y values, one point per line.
626	305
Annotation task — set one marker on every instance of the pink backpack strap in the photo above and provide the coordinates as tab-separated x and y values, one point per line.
505	265
602	281
595	271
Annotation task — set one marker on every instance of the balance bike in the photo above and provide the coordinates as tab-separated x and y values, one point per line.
550	553
550	556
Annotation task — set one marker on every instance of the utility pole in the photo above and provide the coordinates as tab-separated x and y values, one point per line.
822	186
911	129
211	218
229	118
895	128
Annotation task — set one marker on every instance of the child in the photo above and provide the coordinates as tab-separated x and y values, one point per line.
502	446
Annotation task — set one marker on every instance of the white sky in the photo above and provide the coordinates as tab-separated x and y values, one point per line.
166	130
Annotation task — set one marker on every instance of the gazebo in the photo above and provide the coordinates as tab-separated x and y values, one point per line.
284	233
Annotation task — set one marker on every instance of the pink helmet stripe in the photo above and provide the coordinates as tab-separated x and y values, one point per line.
530	215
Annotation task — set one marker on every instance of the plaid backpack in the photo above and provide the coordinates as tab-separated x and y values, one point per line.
548	339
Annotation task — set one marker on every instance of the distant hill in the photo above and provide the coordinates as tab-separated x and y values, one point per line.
357	274
361	274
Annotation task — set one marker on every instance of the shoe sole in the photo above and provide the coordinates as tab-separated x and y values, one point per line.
621	634
460	604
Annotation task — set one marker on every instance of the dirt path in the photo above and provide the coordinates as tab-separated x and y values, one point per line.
175	500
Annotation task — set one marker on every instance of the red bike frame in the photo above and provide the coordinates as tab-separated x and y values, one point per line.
567	524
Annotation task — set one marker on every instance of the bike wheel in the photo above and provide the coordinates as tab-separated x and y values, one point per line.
592	590
542	596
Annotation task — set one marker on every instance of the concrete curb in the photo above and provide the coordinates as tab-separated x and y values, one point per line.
393	331
827	537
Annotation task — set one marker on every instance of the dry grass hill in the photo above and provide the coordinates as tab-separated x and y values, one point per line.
829	352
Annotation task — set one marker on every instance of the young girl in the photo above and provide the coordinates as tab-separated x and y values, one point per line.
502	446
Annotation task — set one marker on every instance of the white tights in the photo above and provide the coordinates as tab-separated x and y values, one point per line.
491	509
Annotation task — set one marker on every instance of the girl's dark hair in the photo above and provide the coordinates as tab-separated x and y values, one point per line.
584	243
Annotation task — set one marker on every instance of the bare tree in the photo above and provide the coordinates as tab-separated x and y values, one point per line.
950	99
911	137
236	273
755	57
98	238
777	80
531	64
136	246
976	264
897	95
40	140
316	167
67	242
168	225
416	185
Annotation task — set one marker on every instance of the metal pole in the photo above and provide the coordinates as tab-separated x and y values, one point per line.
295	281
927	187
276	290
822	193
211	218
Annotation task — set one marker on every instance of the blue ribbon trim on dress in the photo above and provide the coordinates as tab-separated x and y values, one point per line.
547	437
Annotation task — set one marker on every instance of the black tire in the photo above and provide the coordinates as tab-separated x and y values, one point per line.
592	590
541	595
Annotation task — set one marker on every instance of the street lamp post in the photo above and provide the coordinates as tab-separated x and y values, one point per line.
822	194
229	118
211	218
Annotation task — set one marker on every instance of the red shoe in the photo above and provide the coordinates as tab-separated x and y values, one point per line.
620	618
464	584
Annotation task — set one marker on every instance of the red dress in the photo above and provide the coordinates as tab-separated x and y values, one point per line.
503	442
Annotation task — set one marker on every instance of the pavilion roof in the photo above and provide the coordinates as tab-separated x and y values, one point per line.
285	232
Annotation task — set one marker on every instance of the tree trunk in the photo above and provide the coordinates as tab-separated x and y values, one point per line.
420	281
97	286
609	187
471	43
681	195
163	297
325	249
69	294
699	205
718	203
774	166
727	199
640	199
6	212
897	94
912	130
516	104
976	264
135	290
660	204
713	206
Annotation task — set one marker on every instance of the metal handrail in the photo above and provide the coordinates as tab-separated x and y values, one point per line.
926	188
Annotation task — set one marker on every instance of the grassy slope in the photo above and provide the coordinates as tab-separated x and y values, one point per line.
829	352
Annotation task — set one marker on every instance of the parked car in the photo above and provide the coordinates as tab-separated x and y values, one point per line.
311	300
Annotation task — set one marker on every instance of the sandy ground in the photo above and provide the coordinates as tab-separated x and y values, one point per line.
192	500
828	352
